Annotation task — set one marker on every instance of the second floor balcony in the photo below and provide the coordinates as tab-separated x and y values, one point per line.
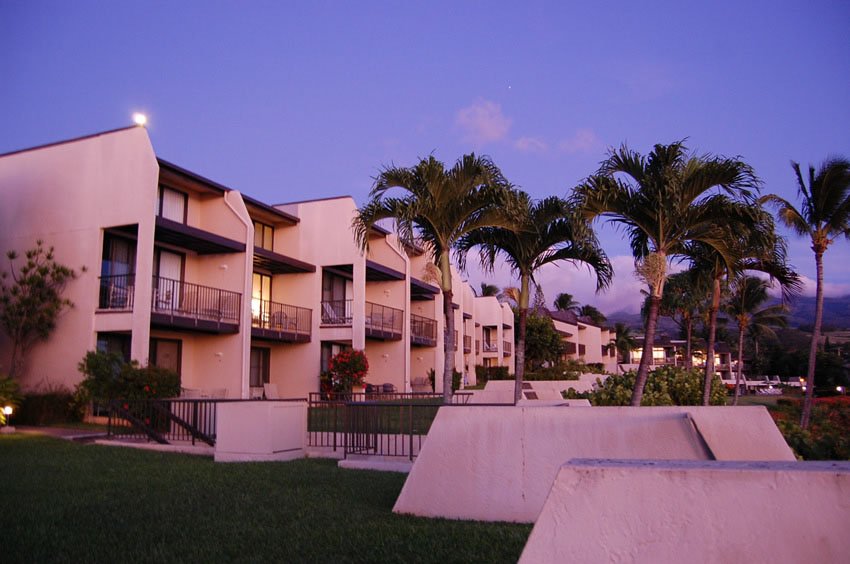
383	322
423	331
178	304
491	346
506	348
467	344
336	312
274	321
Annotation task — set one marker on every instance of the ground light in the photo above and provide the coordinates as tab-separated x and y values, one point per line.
7	411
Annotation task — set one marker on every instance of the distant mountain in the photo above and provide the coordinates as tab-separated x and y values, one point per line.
836	315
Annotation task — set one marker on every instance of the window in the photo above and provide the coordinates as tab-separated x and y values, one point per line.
171	204
263	236
259	366
119	256
260	298
114	343
328	350
166	353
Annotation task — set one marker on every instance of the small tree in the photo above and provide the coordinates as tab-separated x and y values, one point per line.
31	300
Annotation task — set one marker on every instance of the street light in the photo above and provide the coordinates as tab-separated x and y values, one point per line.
7	411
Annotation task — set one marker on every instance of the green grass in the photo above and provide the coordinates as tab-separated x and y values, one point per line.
68	502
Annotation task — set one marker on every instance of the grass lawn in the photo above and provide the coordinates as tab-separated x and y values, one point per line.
67	502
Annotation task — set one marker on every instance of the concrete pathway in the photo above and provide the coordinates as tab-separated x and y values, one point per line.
61	432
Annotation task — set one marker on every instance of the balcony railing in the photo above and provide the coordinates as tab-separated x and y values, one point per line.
506	348
491	346
116	292
467	344
183	304
336	312
283	322
383	322
423	331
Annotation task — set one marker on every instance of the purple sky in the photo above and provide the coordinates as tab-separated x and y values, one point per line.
287	101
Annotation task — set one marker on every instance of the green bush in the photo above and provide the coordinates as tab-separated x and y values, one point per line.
48	409
565	370
108	377
456	377
10	395
485	373
826	438
667	385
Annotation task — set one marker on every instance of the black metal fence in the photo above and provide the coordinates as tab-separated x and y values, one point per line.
164	420
382	424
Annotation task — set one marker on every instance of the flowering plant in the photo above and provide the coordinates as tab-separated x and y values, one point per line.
348	368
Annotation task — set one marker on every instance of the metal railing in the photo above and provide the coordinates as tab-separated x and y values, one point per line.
176	298
116	292
491	346
423	331
383	321
282	318
336	312
467	344
506	348
395	424
164	420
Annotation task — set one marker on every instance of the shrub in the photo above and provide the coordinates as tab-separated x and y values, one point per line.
108	376
485	373
48	408
456	377
826	438
565	370
666	385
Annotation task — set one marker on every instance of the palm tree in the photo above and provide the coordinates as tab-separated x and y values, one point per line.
684	295
593	314
823	217
664	202
623	340
439	206
546	232
565	302
745	305
488	290
510	294
752	245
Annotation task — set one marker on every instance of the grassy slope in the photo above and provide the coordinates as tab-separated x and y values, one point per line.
65	502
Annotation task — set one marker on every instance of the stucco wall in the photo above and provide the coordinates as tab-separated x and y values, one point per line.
671	512
66	194
503	460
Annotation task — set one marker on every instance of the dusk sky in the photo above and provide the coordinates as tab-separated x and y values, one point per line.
295	100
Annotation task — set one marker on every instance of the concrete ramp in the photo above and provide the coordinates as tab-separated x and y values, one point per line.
498	463
671	512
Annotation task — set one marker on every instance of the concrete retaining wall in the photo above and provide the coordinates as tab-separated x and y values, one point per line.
260	431
500	462
639	511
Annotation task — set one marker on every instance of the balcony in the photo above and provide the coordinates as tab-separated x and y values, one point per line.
467	344
383	322
423	331
506	348
272	321
491	346
182	305
116	292
336	312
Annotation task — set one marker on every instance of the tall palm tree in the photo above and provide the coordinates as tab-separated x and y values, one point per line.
623	340
752	245
565	302
488	290
438	206
663	201
547	231
684	295
745	305
592	313
510	294
823	217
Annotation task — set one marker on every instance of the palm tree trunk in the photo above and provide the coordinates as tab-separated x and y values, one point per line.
448	345
520	346
813	350
742	326
689	357
712	330
646	353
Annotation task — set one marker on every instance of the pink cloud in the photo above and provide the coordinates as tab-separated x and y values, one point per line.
483	122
